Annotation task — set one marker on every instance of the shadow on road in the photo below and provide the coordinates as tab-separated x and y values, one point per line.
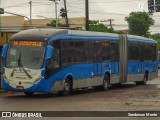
123	87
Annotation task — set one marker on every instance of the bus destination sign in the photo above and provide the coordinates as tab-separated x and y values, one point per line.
27	43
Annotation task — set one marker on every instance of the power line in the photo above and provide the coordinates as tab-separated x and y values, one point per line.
47	3
17	5
105	2
74	11
69	12
91	10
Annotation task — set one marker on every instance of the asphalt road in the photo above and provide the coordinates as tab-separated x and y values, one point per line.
127	97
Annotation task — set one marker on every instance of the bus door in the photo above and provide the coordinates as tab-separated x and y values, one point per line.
97	64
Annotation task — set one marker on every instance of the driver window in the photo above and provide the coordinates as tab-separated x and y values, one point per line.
56	58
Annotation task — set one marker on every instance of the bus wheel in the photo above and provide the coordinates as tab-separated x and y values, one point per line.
29	93
144	80
105	82
67	88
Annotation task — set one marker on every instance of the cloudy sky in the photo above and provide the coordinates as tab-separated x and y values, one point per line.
99	9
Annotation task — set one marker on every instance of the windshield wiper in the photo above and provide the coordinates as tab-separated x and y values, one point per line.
12	73
19	60
21	66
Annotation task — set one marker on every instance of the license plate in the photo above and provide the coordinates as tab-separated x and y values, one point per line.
19	87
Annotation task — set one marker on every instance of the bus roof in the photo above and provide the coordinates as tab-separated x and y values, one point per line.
141	39
47	33
50	32
38	34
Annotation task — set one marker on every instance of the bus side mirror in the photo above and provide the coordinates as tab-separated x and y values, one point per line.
49	52
4	51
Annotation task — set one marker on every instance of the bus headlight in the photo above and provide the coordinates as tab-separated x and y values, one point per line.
5	78
37	79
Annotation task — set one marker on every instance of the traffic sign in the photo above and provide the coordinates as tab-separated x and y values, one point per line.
151	6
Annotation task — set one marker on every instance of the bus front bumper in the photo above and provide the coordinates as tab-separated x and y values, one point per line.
43	86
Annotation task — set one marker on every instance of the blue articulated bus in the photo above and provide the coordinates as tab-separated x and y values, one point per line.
54	60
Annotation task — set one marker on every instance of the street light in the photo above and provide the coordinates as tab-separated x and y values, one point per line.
56	11
19	15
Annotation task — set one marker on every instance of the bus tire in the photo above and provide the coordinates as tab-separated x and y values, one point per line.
144	80
67	88
29	93
105	84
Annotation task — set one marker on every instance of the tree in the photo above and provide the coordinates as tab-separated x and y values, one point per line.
155	36
94	25
158	44
139	23
53	24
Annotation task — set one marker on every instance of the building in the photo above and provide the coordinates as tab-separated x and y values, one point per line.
73	22
10	25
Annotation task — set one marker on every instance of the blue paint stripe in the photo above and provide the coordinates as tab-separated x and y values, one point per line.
78	37
143	41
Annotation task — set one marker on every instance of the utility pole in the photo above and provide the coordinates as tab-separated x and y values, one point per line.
56	11
65	7
0	17
56	14
110	22
30	13
87	15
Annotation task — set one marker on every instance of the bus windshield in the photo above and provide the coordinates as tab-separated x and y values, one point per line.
28	54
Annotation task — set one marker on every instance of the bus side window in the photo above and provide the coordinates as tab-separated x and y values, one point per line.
106	51
67	52
133	51
114	51
96	50
147	49
141	52
88	51
55	63
79	51
153	52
